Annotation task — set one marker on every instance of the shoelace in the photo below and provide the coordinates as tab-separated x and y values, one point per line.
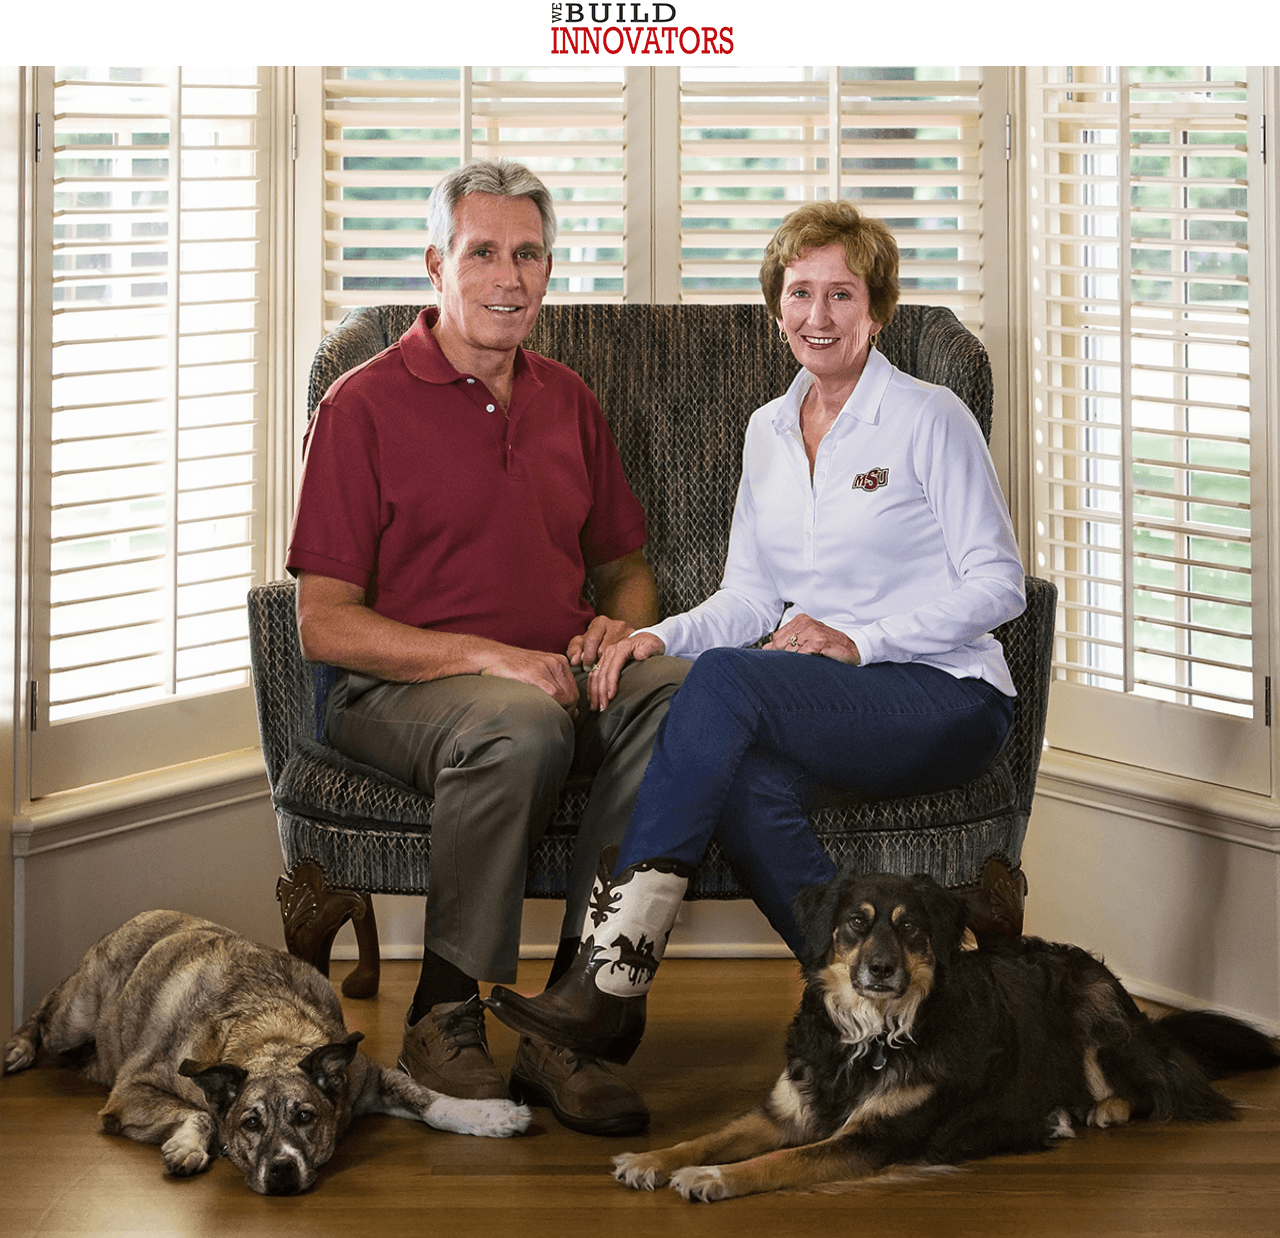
463	1028
573	1060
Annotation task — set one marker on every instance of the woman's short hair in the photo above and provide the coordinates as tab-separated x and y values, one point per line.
502	177
869	249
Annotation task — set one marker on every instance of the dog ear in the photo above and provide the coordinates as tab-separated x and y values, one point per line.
220	1083
327	1065
946	913
815	909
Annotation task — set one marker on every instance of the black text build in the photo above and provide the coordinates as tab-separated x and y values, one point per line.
593	29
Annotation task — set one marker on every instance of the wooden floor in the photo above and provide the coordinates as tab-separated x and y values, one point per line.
714	1045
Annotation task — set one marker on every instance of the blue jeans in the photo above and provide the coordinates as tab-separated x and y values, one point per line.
751	736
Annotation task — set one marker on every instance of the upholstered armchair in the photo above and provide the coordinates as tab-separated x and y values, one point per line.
677	384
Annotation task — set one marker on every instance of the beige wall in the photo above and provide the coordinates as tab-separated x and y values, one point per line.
1182	899
215	854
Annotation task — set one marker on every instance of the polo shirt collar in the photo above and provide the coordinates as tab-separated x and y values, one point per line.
863	403
424	358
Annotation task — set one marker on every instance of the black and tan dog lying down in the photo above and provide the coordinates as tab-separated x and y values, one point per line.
909	1051
212	1044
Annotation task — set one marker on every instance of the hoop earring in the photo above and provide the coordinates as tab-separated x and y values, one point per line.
782	333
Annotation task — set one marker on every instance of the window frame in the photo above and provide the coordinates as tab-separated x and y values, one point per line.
1195	745
73	756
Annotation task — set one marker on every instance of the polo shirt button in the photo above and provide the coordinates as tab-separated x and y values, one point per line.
488	408
471	380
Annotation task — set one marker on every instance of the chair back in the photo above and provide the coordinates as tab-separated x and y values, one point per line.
678	384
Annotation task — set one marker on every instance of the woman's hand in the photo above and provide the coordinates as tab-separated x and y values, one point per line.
804	635
585	650
602	682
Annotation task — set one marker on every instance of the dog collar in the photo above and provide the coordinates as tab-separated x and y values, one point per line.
875	1050
880	1052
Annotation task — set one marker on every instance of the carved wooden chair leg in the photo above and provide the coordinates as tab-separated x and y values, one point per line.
362	980
996	901
313	913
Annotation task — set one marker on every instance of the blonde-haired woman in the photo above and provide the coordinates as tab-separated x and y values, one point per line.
871	547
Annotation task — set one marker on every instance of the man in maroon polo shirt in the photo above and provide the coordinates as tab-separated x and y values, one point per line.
457	492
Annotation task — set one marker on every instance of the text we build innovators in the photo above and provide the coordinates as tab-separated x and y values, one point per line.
640	29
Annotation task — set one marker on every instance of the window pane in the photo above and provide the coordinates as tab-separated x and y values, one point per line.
392	132
157	205
1142	213
900	142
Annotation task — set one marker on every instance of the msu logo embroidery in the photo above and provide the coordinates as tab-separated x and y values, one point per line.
871	480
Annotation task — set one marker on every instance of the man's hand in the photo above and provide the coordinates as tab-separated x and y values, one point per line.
805	635
336	626
602	683
548	671
585	650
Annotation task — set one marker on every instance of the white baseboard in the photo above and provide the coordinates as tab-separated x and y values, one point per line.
1183	1001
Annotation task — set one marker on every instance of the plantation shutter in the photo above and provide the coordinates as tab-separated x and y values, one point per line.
391	133
1145	243
902	143
148	502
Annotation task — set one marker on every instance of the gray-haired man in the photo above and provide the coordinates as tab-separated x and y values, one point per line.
457	493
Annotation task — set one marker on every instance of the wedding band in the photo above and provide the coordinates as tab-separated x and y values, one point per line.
793	643
591	670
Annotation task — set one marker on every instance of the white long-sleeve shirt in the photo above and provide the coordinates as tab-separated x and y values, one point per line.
902	540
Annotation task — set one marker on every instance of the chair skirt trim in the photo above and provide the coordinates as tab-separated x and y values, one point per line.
376	860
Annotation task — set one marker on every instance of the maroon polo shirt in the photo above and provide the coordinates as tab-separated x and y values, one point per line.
453	516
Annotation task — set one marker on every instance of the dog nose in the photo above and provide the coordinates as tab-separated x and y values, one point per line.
881	969
282	1177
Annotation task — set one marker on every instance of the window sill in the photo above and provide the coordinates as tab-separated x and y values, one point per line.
1147	795
68	818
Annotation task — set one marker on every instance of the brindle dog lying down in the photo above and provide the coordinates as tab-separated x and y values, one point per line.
908	1051
213	1045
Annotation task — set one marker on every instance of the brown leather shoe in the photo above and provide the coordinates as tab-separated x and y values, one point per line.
578	1089
446	1051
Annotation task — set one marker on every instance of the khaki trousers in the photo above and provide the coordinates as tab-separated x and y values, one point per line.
495	754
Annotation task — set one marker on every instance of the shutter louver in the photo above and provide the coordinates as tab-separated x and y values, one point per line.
154	390
391	133
901	143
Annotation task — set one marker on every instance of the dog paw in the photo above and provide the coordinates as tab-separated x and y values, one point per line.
1060	1126
182	1158
1110	1111
186	1151
700	1183
493	1119
19	1053
639	1170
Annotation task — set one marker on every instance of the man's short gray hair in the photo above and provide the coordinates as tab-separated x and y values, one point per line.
501	177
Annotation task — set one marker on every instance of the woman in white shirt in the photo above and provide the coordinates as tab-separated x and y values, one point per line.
871	549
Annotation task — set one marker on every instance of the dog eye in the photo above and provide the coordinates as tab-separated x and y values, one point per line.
304	1117
858	924
252	1122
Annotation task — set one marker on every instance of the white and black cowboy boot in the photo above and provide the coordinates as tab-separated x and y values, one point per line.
598	1006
